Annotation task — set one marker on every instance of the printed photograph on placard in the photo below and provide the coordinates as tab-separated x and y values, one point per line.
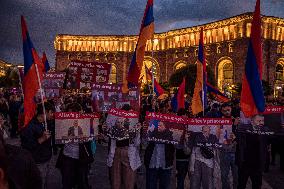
214	128
75	127
162	128
52	93
121	127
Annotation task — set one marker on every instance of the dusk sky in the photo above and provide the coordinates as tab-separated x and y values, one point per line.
47	18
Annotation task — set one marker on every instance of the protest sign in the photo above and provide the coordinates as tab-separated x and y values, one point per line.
274	118
75	127
52	83
107	96
165	128
220	127
83	74
122	124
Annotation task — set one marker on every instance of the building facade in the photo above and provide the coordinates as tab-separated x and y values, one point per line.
225	42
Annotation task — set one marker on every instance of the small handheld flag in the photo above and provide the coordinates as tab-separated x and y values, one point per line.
178	101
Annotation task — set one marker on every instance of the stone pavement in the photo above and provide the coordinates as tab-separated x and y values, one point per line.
99	178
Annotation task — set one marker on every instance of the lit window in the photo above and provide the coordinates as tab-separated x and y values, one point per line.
112	76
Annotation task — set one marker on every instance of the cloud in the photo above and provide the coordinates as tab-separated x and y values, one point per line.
47	18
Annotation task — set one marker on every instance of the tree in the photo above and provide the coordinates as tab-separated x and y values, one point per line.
189	72
10	79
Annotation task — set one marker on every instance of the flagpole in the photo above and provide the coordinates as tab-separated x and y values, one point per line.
41	95
153	66
20	82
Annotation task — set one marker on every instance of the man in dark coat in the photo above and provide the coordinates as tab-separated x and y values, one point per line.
252	144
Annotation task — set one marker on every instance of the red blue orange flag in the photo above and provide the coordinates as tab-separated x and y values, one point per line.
146	33
199	99
30	81
218	94
252	96
178	101
45	63
157	87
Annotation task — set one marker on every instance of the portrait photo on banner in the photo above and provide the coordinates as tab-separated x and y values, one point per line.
75	127
122	124
165	128
219	129
107	96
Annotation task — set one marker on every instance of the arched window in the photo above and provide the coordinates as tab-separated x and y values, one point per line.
179	65
149	63
112	75
225	73
279	78
279	72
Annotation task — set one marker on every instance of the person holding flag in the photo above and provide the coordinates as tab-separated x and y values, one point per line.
252	145
34	136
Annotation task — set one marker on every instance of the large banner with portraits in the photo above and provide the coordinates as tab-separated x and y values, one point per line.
122	124
107	96
73	127
165	128
172	129
218	128
82	74
52	83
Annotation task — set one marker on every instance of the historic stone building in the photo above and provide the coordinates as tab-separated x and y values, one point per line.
225	41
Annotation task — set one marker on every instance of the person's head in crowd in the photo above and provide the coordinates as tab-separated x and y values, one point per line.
49	112
126	107
215	107
206	130
76	123
162	108
161	126
74	107
257	120
226	110
181	112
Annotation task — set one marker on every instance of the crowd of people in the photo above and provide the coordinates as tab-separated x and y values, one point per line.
246	153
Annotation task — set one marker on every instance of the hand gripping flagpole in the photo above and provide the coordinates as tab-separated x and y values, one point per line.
41	96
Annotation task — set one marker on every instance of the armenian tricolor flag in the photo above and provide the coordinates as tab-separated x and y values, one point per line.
146	33
199	99
252	96
157	87
178	101
30	81
218	94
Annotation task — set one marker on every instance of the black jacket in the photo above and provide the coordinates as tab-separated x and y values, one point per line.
29	141
169	154
85	155
22	169
247	144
